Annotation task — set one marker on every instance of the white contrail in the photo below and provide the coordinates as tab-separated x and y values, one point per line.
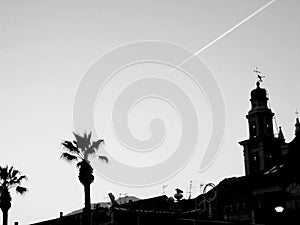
225	33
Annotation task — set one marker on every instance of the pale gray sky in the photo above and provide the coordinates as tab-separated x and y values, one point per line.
46	46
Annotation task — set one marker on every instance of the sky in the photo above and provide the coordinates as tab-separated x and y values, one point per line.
47	47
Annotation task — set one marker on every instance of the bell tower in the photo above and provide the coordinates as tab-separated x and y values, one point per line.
260	151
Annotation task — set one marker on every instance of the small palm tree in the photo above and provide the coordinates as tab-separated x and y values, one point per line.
80	150
10	178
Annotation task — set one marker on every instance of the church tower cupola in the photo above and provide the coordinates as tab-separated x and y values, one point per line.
260	117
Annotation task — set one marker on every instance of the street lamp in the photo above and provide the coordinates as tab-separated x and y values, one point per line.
279	209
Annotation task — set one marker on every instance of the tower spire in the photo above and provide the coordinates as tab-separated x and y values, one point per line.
280	135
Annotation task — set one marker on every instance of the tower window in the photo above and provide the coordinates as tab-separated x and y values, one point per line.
269	128
254	162
253	132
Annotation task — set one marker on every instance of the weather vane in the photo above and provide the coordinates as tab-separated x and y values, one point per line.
297	113
259	76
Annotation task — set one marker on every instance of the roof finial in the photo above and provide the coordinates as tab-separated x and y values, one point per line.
297	114
259	76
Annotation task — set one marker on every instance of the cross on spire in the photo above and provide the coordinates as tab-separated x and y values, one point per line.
258	74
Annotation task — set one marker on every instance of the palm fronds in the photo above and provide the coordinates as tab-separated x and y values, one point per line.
69	157
12	178
81	148
96	144
21	178
82	141
4	173
16	180
71	147
103	158
13	172
21	190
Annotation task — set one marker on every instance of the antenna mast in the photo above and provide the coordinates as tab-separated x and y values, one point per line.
190	189
163	188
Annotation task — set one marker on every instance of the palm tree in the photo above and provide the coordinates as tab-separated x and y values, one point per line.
10	178
80	150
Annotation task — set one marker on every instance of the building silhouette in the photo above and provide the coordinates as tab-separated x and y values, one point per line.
269	193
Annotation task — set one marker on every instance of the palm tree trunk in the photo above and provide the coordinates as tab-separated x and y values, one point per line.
5	200
86	178
87	196
87	208
5	217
